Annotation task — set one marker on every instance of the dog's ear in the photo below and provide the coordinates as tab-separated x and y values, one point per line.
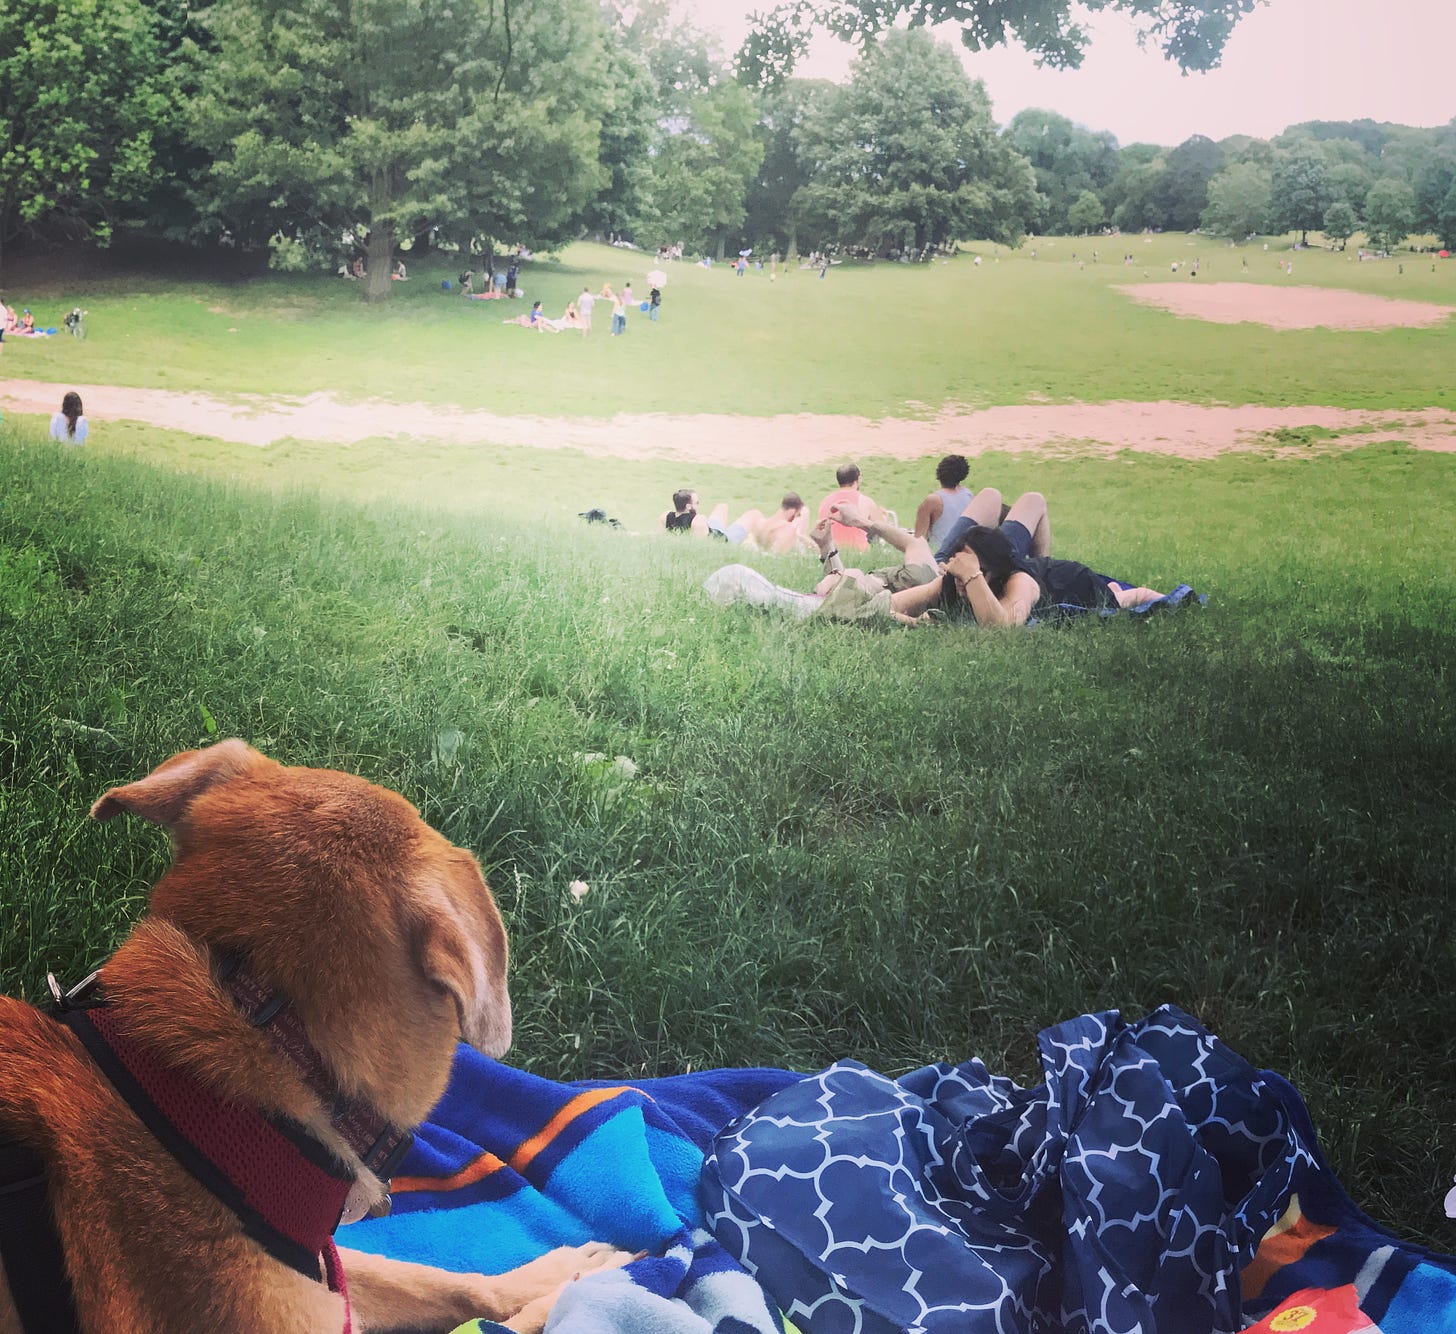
460	947
164	795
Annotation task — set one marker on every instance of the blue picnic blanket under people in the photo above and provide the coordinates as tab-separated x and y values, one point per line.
1155	1182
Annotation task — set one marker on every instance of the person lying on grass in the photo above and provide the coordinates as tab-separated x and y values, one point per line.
995	577
781	531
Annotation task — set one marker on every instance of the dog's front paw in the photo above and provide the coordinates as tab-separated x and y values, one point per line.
524	1297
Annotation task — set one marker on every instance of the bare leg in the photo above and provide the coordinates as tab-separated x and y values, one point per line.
718	518
1134	597
985	507
1030	510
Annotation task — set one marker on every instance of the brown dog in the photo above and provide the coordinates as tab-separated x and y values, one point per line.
369	943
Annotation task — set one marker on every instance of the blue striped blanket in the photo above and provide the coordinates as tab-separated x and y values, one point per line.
1155	1183
511	1165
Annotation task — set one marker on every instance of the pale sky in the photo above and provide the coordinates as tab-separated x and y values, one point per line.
1290	61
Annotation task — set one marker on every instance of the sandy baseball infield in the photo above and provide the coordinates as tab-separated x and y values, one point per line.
1289	307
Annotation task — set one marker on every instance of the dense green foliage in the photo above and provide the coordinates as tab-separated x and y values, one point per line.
894	846
85	100
393	117
906	156
317	133
1189	32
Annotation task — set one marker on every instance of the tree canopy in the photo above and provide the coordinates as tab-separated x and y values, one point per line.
1191	33
86	97
383	116
906	153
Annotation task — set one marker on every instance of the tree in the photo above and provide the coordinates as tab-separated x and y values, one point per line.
1340	222
1446	220
382	116
785	170
1301	191
85	96
626	143
1390	209
1189	168
703	168
1240	199
1190	32
1086	214
906	154
1067	159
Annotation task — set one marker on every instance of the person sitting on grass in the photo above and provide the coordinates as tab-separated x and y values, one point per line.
69	424
848	492
941	508
683	517
400	273
569	320
534	319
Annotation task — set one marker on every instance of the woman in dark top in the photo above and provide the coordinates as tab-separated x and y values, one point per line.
986	580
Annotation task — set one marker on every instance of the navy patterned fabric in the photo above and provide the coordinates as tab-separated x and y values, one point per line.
1123	1195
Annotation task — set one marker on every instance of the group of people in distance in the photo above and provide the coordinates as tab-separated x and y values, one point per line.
578	313
16	323
969	558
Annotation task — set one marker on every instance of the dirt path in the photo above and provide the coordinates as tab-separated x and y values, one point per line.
1187	430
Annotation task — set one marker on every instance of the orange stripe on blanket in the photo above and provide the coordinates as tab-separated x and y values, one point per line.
583	1102
487	1164
1283	1244
475	1170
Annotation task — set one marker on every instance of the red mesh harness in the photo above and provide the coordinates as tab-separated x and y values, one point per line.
286	1188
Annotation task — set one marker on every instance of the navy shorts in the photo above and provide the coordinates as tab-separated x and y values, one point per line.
1019	535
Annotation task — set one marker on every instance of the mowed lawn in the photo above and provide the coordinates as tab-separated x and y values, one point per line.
884	339
897	846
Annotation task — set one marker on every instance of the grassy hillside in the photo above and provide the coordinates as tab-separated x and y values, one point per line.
895	846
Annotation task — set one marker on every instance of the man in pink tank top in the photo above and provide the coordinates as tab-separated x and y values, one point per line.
850	494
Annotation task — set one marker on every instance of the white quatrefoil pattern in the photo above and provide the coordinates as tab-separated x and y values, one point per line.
1122	1196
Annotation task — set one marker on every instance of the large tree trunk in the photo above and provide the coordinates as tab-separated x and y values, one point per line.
722	244
380	262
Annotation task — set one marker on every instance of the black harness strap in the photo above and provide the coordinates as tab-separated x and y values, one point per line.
30	1246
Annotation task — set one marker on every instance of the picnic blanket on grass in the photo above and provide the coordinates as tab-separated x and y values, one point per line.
1155	1183
511	1165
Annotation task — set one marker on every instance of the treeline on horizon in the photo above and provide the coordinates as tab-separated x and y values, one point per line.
301	133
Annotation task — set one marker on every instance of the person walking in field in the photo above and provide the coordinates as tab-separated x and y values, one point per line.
584	304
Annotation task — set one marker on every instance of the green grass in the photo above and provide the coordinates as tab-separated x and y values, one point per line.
894	846
875	340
